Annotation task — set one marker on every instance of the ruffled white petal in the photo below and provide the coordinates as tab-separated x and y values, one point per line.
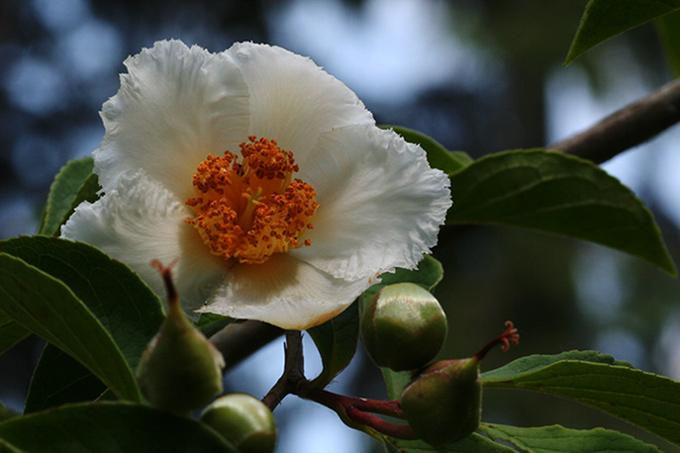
141	221
380	203
284	292
175	106
292	100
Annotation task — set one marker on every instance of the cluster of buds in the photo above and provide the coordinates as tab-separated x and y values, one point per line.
403	328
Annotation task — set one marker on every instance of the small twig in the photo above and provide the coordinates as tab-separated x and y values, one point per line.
293	371
626	128
358	412
330	399
398	430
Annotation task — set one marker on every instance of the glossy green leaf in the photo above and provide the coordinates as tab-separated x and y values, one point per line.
531	363
604	19
556	438
63	192
11	333
556	193
125	306
472	443
111	428
668	27
88	191
644	399
60	379
428	274
47	307
336	340
438	156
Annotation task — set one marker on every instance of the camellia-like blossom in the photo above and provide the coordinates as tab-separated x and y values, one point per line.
263	177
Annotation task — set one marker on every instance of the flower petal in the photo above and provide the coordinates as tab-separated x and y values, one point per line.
380	203
292	100
284	292
141	221
175	106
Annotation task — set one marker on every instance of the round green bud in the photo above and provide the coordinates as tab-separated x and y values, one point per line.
180	370
244	421
403	327
444	403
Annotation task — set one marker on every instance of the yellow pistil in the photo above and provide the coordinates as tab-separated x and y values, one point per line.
251	209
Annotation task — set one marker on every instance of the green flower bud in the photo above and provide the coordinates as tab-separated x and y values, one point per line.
443	403
244	421
403	327
180	370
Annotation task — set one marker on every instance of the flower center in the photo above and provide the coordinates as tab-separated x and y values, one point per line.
251	209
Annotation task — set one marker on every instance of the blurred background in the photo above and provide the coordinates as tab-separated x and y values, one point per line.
478	75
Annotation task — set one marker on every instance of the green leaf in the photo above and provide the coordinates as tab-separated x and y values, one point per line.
60	379
556	193
473	442
63	192
336	340
644	399
532	363
125	306
668	27
211	323
437	156
556	438
395	381
47	307
111	428
428	274
604	19
5	447
11	333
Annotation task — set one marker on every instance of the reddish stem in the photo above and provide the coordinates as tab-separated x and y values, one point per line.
398	430
356	411
509	336
329	399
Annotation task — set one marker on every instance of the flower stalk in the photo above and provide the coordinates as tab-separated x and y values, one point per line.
293	372
358	412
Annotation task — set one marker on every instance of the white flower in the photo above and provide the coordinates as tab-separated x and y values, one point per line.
323	203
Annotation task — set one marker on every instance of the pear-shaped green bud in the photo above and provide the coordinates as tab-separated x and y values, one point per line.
244	421
443	403
403	327
180	370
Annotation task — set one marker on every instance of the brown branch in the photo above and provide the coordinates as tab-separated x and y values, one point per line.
239	340
293	371
626	128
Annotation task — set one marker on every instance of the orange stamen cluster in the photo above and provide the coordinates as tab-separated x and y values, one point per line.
251	209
